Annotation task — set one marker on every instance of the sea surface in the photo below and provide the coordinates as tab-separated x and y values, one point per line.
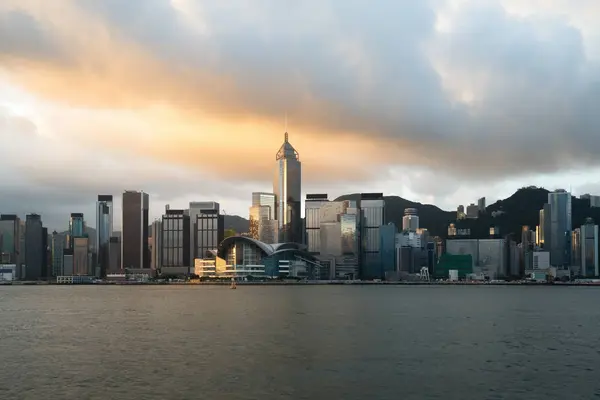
299	342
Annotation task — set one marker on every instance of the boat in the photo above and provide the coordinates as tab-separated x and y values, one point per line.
233	285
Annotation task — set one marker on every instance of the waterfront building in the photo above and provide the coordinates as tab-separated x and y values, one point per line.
372	217
58	245
576	251
560	228
81	260
262	222
10	243
68	262
156	245
210	231
387	236
312	217
410	220
114	261
104	231
287	186
208	227
175	240
76	227
35	253
589	249
134	237
490	256
240	257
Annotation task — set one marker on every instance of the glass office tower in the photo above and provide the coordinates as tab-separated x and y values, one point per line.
104	230
135	252
287	186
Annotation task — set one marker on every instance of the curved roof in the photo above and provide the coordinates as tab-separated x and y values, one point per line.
268	249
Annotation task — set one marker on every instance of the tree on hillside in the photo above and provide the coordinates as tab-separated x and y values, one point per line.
229	232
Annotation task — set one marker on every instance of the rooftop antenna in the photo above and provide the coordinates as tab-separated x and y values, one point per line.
286	134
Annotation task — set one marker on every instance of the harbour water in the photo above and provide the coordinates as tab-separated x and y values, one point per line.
299	342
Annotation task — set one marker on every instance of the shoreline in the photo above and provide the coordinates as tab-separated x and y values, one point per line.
309	283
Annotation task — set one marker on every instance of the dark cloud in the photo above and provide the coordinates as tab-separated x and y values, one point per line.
22	35
382	69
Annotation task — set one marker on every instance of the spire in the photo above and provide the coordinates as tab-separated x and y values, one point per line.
286	150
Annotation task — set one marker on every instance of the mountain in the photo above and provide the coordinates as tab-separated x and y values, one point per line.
431	217
509	215
238	224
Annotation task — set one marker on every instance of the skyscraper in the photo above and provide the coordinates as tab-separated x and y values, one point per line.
104	230
410	220
175	239
57	248
80	256
156	255
372	217
589	249
10	244
208	228
35	252
263	225
560	228
76	227
312	217
287	186
481	205
134	237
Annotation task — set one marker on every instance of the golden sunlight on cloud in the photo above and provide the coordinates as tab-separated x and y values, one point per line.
123	99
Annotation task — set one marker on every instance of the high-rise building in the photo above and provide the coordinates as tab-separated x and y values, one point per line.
594	200
114	262
80	256
540	229
134	236
262	222
68	267
104	231
209	228
10	244
460	212
35	254
527	246
338	233
287	186
76	227
57	248
472	211
481	205
372	217
576	251
589	249
175	237
156	253
410	220
545	216
312	218
387	236
560	228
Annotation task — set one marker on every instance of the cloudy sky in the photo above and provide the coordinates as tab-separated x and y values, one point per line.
439	101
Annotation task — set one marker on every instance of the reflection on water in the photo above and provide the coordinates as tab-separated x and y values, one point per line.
331	342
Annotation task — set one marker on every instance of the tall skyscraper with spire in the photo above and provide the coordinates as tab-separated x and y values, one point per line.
287	187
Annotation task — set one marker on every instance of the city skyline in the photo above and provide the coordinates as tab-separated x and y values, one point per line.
96	124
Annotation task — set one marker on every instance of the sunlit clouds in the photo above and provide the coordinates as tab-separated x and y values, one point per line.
188	98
